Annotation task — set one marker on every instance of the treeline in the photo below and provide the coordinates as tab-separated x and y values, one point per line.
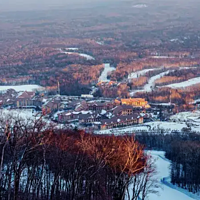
61	164
185	171
183	149
178	76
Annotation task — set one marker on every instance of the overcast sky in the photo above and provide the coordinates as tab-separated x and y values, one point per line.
16	5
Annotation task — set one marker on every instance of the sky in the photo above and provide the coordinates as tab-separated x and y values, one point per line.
18	5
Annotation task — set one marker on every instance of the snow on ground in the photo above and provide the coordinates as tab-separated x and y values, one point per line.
154	127
72	49
23	114
20	88
140	6
163	171
187	116
88	57
151	83
100	43
107	69
191	118
188	83
159	57
141	73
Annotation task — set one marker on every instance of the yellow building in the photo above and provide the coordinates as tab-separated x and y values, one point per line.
136	102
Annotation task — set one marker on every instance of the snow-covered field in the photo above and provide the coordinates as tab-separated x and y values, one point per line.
21	88
188	83
187	116
154	127
24	115
160	57
163	171
107	69
140	73
72	49
151	83
140	6
191	118
88	57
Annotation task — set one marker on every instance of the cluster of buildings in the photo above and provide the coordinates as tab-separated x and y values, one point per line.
84	112
101	114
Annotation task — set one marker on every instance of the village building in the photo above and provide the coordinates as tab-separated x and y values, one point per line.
136	102
8	98
121	121
25	99
123	110
51	106
98	106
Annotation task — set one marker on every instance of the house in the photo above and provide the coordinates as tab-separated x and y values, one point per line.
25	99
136	102
123	110
89	118
8	98
65	116
121	121
51	106
87	96
98	106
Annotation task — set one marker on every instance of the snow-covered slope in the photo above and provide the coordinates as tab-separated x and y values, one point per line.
163	171
21	88
107	69
183	84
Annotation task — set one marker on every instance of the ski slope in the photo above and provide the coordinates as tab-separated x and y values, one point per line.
140	73
21	88
163	171
104	74
183	84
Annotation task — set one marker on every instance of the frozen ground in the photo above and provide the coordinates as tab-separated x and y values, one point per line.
107	69
163	171
20	88
188	83
27	115
88	57
154	127
191	118
151	83
140	6
141	73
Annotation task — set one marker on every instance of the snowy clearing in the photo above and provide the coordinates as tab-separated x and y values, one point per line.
151	83
186	116
162	57
187	83
26	115
72	49
88	57
140	6
141	73
151	127
163	171
104	74
21	88
191	118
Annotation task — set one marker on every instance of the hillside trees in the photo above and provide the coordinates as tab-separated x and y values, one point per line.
41	162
